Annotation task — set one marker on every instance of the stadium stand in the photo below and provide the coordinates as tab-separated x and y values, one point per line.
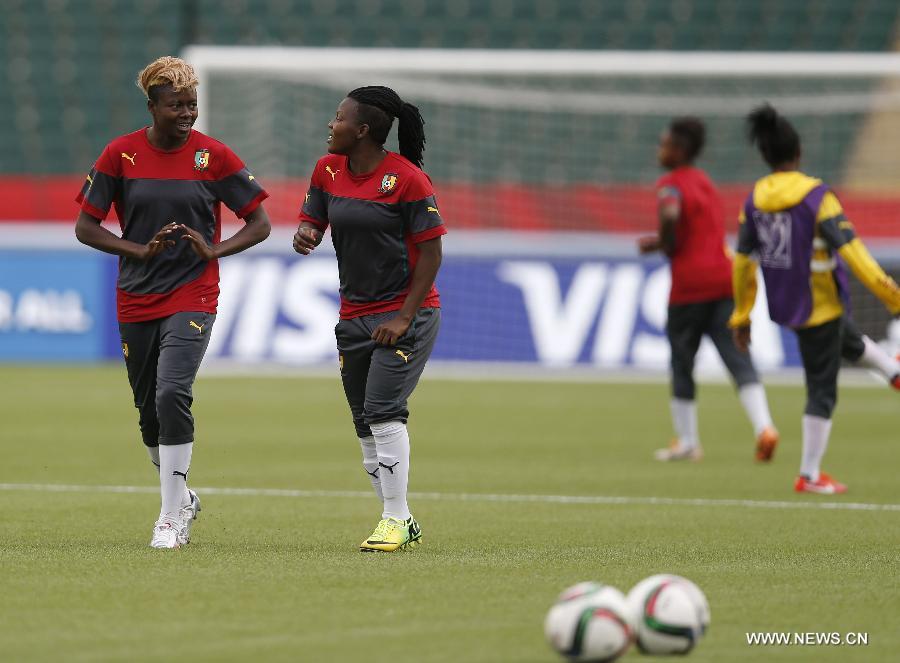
57	50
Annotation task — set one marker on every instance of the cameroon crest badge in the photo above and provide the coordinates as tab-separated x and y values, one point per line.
201	159
388	182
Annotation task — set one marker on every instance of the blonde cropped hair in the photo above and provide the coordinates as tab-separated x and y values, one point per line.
167	70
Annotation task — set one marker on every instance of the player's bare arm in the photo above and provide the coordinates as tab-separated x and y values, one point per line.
430	254
88	231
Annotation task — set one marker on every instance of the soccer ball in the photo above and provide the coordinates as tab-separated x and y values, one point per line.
589	622
669	614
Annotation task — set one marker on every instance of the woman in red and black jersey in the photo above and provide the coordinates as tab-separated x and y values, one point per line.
386	230
168	183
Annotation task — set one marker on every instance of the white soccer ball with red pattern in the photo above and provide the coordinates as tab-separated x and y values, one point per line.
589	622
669	614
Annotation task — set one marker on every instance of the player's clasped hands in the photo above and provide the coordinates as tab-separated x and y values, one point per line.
198	242
164	239
160	242
306	239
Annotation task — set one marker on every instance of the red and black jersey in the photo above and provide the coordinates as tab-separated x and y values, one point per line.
701	265
150	188
376	221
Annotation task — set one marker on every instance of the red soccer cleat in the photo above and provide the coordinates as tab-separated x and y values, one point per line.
824	486
765	444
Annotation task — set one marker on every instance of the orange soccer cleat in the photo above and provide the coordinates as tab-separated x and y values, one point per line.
766	443
824	486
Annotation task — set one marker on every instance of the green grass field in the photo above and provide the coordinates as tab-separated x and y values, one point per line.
272	578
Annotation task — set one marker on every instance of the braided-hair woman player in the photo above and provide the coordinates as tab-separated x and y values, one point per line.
386	231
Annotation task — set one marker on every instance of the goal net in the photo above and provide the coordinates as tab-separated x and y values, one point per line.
564	143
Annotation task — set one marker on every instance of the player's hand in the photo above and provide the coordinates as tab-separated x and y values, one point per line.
741	337
306	239
160	242
388	333
648	244
197	242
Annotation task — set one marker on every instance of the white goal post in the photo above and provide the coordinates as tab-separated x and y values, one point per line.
323	63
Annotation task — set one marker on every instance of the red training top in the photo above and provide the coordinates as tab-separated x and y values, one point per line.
377	220
701	262
151	188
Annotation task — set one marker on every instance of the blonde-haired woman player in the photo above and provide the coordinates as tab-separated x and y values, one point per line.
167	183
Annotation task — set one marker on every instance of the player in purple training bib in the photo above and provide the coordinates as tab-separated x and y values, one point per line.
796	231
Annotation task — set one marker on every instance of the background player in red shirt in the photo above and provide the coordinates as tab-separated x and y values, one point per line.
167	183
386	230
692	235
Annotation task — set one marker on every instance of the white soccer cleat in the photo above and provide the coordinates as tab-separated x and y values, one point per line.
165	533
188	516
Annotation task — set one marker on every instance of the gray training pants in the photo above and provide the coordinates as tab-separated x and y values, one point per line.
378	379
162	357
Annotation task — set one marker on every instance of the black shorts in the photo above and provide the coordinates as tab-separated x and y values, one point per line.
821	348
378	379
686	326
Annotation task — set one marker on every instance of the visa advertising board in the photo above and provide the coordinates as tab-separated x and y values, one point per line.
275	307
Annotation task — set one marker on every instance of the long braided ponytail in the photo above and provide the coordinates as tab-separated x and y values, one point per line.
378	106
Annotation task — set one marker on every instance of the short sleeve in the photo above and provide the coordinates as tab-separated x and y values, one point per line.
668	194
101	187
237	187
421	216
314	209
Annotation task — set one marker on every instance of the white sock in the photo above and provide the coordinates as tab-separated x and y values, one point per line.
684	418
154	456
392	444
753	398
815	441
874	357
370	463
174	463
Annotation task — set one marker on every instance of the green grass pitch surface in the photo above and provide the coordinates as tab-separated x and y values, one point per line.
272	578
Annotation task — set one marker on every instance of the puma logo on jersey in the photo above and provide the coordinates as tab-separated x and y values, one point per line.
250	178
199	328
333	173
130	158
433	209
404	356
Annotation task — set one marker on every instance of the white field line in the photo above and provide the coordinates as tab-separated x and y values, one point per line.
469	497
